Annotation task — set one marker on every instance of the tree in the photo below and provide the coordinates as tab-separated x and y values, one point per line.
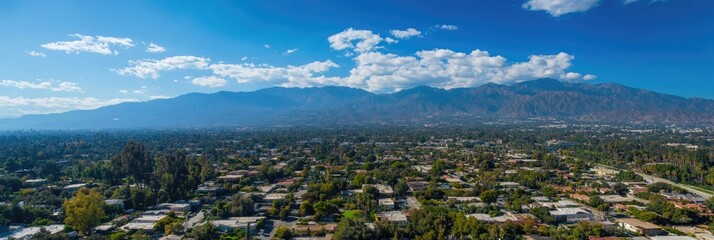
549	191
401	188
141	198
283	232
431	222
172	173
710	203
599	203
365	202
205	232
284	212
306	208
134	161
84	210
621	189
240	205
543	213
167	223
321	209
355	229
489	196
438	167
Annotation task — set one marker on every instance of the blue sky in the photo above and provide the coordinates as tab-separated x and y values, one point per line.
67	55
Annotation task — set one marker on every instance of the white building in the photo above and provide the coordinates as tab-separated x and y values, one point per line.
639	226
26	233
672	238
571	214
397	217
381	188
230	224
487	218
388	203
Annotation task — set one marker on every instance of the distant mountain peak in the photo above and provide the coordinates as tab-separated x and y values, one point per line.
607	102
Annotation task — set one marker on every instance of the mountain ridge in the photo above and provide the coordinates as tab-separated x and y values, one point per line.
602	103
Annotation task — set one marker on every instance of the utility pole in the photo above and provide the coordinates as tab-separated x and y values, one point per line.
248	232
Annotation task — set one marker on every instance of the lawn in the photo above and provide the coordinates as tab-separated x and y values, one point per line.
352	214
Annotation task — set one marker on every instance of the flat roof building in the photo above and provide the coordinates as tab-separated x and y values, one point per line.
639	226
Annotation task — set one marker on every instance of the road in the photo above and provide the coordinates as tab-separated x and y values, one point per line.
413	203
271	226
653	179
191	222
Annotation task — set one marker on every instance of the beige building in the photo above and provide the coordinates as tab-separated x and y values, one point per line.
639	226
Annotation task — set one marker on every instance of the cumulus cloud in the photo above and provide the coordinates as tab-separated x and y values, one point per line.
448	27
385	72
150	68
266	45
18	106
210	81
290	51
45	85
444	68
291	76
374	69
557	8
36	54
405	34
153	48
97	44
365	40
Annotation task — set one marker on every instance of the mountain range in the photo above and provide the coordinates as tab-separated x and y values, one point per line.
541	98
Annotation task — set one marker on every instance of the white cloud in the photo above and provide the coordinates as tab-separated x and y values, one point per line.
143	90
390	40
45	85
557	8
266	45
36	54
26	84
210	81
366	40
244	58
67	87
97	44
18	106
123	91
153	48
449	27
377	71
405	34
444	68
150	68
290	51
292	76
158	97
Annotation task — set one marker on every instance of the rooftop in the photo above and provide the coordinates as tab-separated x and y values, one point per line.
638	223
394	216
